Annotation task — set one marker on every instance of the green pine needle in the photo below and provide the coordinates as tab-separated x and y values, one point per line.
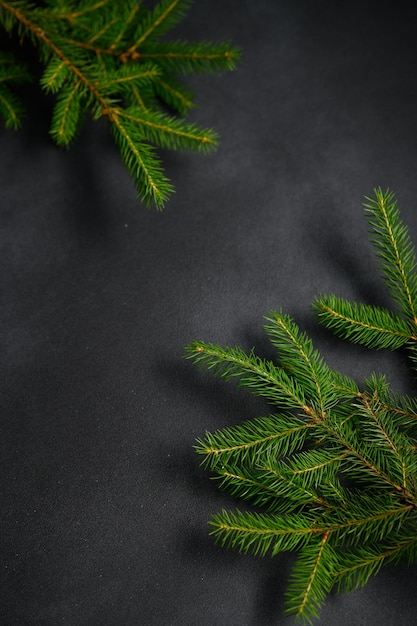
11	109
332	474
395	251
12	74
262	377
270	435
107	59
312	578
368	325
143	164
67	115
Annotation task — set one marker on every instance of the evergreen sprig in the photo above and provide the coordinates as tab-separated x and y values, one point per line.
12	74
107	58
331	473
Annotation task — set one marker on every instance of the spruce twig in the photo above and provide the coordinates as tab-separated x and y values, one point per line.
332	473
107	58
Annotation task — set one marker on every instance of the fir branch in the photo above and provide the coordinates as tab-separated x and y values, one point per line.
106	59
314	467
126	77
260	534
176	96
67	114
11	108
368	325
262	377
288	478
267	488
56	73
142	162
169	132
356	567
297	355
131	9
12	74
312	579
394	248
335	472
272	435
184	57
164	17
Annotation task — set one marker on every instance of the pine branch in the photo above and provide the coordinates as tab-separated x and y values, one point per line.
169	132
175	95
66	119
261	534
356	567
262	377
365	324
163	18
333	475
312	579
297	356
266	488
394	248
12	74
183	57
11	108
142	162
272	435
106	59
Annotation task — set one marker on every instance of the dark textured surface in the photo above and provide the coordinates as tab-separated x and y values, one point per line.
104	508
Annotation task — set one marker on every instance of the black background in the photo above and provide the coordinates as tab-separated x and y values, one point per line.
104	507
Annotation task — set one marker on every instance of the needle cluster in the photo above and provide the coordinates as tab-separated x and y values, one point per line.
331	473
110	59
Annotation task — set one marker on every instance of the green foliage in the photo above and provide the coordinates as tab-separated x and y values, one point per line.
12	73
331	473
107	58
